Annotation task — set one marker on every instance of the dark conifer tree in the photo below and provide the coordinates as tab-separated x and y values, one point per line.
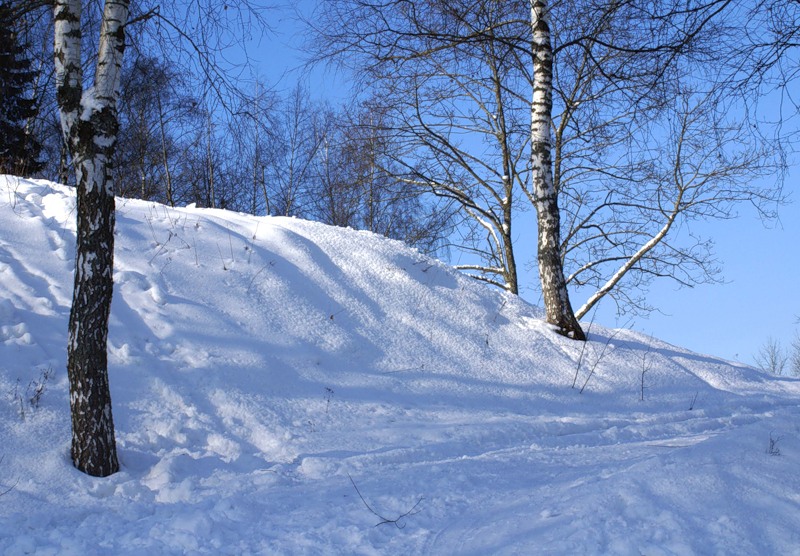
19	149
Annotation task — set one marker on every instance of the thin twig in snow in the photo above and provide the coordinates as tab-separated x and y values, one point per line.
9	489
583	348
599	358
384	520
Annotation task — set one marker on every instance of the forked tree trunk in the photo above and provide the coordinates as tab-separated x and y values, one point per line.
551	270
89	124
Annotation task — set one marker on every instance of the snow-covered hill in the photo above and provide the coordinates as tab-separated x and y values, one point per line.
278	383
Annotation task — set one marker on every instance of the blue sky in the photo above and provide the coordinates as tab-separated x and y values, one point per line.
731	320
758	301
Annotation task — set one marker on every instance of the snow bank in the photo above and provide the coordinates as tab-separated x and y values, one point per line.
262	367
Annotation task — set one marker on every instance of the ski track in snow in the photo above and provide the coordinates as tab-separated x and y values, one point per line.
259	365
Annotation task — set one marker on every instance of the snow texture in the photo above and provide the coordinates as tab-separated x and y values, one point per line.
271	378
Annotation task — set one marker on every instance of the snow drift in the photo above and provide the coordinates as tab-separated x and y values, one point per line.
285	387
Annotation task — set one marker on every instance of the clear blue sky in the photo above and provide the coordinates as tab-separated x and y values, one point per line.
758	299
732	320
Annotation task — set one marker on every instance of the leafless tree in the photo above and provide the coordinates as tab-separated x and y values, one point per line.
357	182
543	191
302	129
254	132
794	358
765	56
638	131
682	175
158	116
771	357
580	107
448	74
90	124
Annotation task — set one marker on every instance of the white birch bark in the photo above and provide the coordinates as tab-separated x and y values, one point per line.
551	271
89	126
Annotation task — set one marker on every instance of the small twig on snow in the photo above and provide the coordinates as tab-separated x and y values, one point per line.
600	357
230	242
224	266
647	364
597	362
384	520
583	348
9	489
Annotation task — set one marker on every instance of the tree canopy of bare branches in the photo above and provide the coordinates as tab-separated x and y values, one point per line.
613	119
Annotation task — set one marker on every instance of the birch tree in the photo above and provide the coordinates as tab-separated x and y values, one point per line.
771	39
158	117
449	77
651	137
302	130
545	198
356	183
706	163
772	357
618	163
89	127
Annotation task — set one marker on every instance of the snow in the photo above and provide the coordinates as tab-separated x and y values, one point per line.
268	373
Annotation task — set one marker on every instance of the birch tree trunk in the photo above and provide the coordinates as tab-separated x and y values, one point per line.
89	124
551	270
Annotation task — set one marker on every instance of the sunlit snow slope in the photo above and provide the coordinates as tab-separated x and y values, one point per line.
278	383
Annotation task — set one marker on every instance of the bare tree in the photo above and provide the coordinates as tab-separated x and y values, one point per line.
794	358
771	357
89	124
302	129
649	138
764	56
158	119
543	191
594	79
139	166
357	183
448	74
306	158
684	175
253	129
